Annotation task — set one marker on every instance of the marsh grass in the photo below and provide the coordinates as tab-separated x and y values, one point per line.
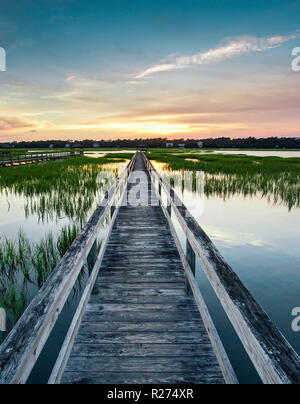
274	178
59	189
66	189
22	262
12	301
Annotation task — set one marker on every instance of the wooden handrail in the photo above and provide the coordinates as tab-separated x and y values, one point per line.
273	357
192	285
21	158
66	348
22	347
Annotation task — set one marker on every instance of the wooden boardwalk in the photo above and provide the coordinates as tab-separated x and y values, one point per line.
140	325
141	317
13	160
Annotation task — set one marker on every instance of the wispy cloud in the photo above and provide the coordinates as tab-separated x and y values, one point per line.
11	124
231	48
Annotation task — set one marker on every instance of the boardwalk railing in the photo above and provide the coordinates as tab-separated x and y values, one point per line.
30	158
273	357
22	347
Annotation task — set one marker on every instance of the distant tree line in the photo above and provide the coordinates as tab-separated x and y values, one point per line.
222	142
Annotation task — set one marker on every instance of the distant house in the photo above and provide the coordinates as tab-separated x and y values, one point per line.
200	144
51	146
96	145
169	145
67	146
181	145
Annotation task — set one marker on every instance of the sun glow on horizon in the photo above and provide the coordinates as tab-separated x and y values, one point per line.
97	71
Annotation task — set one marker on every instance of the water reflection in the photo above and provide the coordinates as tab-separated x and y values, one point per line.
285	189
40	217
258	234
73	195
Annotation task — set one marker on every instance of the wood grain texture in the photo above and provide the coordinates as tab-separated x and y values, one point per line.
88	377
140	326
21	349
273	357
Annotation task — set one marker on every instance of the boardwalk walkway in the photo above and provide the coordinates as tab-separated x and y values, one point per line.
140	325
135	322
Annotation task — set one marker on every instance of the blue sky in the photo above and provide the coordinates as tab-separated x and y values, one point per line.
121	68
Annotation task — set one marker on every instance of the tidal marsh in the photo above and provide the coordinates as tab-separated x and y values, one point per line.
61	195
66	188
23	262
274	178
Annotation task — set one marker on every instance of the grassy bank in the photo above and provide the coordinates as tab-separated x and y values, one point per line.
24	264
66	188
275	178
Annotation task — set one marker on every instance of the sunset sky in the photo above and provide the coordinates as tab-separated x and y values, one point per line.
112	69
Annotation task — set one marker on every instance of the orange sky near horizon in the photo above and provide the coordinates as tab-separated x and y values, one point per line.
83	71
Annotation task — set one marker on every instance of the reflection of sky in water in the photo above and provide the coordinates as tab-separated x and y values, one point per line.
97	154
263	153
260	241
13	217
254	153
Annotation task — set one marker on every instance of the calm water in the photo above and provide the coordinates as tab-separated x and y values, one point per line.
260	240
20	212
263	153
97	154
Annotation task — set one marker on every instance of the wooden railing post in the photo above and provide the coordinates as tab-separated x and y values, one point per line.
21	349
191	259
92	256
169	209
273	357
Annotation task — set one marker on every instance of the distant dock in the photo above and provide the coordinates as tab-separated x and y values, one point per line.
11	160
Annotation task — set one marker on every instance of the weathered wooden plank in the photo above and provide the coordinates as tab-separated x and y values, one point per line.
21	349
141	288
85	337
148	364
94	306
225	365
164	327
142	350
139	318
73	329
273	357
131	298
137	276
114	267
88	377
